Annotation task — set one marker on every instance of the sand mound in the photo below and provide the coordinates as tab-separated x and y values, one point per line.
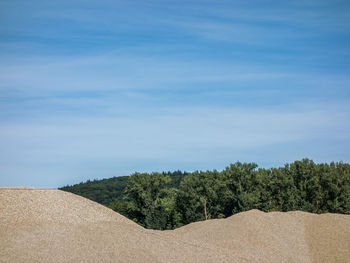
43	225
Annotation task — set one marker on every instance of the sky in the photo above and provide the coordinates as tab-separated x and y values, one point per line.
95	89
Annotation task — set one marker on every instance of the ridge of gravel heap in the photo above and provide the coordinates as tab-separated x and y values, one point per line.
48	225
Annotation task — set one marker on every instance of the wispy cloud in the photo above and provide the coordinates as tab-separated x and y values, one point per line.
42	75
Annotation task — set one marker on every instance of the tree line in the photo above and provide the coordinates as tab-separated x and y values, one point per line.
170	200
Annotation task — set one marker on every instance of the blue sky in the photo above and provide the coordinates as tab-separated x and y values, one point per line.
94	89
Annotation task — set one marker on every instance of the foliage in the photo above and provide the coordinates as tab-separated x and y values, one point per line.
171	199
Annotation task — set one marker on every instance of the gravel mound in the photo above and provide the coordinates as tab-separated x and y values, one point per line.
46	225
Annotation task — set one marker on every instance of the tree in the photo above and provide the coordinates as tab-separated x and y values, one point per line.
198	197
151	203
169	200
244	185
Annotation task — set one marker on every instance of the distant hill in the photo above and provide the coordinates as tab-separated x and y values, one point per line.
107	191
103	191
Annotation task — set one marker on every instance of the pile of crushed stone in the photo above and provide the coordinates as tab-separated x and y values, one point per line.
46	225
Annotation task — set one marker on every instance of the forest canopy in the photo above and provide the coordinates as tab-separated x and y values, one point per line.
171	199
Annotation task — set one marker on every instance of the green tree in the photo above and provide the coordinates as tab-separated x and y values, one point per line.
198	197
245	187
151	203
169	200
283	192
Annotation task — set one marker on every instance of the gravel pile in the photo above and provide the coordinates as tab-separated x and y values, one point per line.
45	225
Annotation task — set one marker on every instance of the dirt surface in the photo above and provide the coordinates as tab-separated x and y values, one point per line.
46	225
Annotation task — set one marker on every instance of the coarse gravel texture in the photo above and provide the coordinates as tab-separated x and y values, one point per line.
48	225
